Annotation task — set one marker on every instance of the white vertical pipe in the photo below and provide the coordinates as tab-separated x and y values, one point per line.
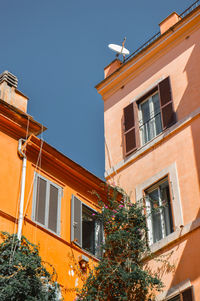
21	206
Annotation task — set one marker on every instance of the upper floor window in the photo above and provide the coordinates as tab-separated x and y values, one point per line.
150	123
150	115
46	203
86	229
159	218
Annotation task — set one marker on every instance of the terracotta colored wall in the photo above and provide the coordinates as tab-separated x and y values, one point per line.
10	167
55	250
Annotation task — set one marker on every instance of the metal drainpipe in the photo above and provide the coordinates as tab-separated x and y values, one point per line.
21	206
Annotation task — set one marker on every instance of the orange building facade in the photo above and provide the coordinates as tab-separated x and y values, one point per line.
152	145
45	196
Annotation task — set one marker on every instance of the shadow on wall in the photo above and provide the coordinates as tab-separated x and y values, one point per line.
190	100
188	265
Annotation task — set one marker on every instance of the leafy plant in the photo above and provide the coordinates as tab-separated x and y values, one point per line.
121	273
22	274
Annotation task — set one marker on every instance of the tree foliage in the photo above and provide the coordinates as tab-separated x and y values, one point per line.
22	274
121	273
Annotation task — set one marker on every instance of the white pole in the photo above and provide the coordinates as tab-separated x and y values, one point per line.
21	206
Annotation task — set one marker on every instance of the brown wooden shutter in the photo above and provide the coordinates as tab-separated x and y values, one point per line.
53	208
40	210
187	295
166	103
130	128
76	221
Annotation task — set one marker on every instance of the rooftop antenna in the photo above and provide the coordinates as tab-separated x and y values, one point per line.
119	49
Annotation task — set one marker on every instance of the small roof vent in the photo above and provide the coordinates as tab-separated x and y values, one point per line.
9	78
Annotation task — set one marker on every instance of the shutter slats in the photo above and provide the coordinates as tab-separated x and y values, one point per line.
76	221
129	120
130	140
130	129
40	201
53	208
166	103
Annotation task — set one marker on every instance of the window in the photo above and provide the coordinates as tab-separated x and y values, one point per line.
145	118
150	123
46	203
86	230
159	211
184	296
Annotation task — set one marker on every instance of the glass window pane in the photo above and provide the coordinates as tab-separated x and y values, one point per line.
158	124
98	238
40	201
156	103
150	123
157	114
155	215
145	111
88	229
53	208
144	122
165	197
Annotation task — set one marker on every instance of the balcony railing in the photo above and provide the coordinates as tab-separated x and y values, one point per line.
189	9
157	35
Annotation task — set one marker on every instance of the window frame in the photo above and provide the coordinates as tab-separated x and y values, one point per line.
149	220
60	193
180	294
149	99
73	239
176	204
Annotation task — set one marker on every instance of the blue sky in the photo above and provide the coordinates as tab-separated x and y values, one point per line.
58	50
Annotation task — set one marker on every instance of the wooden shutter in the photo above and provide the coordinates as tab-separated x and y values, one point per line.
40	199
76	220
53	208
166	103
130	129
187	295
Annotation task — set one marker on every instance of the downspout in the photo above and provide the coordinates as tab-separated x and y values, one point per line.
21	206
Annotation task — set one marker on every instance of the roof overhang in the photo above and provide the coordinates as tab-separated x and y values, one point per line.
17	123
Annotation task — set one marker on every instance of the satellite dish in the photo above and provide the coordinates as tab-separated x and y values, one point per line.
119	49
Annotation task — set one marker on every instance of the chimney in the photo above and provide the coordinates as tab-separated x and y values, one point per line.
112	67
168	22
9	92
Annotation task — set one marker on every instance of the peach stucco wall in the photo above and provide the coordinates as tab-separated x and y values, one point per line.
181	64
180	60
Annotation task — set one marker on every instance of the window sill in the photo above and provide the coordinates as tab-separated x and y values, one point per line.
58	237
46	228
85	251
149	145
175	236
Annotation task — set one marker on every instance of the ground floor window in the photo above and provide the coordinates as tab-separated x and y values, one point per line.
183	296
159	217
86	229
